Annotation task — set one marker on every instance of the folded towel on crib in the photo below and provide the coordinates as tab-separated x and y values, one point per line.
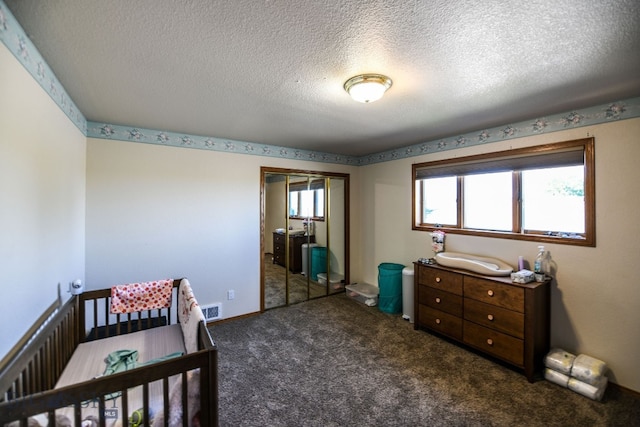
556	377
592	391
559	360
124	360
189	315
588	369
141	296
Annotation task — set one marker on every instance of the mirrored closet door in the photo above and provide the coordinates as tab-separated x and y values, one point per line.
304	219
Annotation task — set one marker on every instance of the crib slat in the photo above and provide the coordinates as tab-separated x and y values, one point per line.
106	316
95	319
145	400
34	386
55	352
77	414
128	323
165	398
185	405
31	383
46	360
101	408
125	407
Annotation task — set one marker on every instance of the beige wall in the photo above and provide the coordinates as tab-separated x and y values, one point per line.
42	200
595	299
155	211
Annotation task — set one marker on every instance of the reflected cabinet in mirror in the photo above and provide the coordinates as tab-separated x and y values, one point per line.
304	242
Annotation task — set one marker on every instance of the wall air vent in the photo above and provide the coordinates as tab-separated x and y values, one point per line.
212	311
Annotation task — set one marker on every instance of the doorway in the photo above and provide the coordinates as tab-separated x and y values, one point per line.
304	235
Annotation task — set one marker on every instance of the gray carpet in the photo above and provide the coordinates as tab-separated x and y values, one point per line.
300	289
335	362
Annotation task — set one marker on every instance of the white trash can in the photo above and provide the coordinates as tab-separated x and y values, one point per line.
407	294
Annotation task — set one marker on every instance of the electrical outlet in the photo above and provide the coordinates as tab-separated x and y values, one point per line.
231	294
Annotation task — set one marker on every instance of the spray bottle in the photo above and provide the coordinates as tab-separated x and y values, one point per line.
539	266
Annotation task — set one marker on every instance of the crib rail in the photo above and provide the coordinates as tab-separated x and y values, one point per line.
97	322
95	390
44	352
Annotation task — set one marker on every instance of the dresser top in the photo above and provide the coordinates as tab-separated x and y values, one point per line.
501	279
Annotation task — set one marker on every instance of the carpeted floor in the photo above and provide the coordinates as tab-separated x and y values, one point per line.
300	289
335	362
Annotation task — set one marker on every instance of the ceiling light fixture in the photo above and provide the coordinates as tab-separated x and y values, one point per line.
367	87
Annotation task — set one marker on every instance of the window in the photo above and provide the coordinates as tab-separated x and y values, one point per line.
306	200
544	193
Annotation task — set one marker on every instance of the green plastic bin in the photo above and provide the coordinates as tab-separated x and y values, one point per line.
318	261
390	284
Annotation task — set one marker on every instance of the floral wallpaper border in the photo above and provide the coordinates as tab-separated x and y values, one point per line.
578	118
14	38
619	110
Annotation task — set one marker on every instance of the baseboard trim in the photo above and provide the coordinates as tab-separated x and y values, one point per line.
243	316
624	390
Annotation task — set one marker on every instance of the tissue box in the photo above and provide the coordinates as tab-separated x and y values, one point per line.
522	276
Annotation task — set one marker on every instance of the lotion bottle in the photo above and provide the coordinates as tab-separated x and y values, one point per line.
539	266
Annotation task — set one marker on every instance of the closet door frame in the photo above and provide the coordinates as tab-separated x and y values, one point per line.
264	172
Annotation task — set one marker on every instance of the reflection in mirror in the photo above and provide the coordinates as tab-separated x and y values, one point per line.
303	201
304	218
336	261
274	262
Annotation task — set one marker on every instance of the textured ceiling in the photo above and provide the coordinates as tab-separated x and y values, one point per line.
272	71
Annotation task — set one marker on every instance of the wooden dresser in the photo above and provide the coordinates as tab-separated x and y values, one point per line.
508	321
295	250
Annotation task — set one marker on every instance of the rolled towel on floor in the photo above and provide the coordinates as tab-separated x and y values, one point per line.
592	391
588	369
556	377
559	360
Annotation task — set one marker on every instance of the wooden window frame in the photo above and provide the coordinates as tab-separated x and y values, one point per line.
494	162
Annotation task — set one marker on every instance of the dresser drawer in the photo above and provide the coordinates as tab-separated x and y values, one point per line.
278	238
495	343
440	321
494	317
439	279
503	295
440	300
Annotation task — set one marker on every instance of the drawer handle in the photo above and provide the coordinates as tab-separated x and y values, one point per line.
490	292
438	300
437	321
490	341
438	280
490	317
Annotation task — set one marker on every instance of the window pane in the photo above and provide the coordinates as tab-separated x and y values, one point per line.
306	197
439	197
488	201
553	199
293	203
319	203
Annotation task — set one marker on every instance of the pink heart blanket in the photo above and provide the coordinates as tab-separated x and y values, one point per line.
141	296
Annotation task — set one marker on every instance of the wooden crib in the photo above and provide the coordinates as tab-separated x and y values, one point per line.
32	369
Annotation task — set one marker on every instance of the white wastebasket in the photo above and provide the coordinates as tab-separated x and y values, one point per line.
407	294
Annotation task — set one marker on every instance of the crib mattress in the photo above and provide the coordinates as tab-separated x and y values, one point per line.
88	361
